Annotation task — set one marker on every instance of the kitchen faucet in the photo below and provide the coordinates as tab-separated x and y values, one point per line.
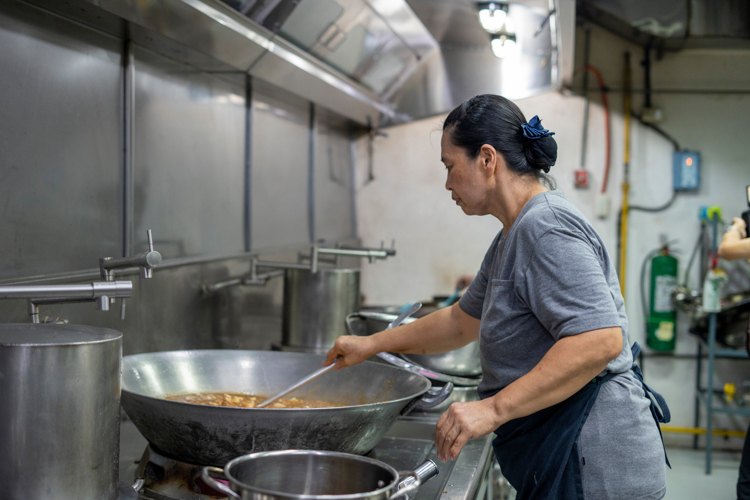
146	261
100	291
316	251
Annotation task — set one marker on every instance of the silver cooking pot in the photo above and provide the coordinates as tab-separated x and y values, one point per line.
311	475
463	362
59	411
371	396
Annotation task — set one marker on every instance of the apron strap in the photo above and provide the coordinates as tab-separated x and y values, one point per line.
661	412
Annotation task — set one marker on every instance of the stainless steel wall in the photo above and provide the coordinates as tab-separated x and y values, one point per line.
61	182
189	154
279	180
334	211
60	204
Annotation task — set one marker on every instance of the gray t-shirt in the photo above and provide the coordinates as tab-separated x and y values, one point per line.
551	277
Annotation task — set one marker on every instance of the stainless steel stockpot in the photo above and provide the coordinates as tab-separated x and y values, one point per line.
315	305
59	411
309	475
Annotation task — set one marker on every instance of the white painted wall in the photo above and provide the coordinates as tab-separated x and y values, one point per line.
436	242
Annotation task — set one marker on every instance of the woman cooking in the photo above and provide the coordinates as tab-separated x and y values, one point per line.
572	419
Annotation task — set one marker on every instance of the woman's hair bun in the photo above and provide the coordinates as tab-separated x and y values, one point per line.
526	147
541	153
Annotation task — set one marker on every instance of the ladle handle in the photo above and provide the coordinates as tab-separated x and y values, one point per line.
213	483
299	384
401	317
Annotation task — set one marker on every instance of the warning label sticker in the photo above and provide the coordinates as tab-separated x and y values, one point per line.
663	294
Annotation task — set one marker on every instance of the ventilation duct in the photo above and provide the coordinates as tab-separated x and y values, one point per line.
674	24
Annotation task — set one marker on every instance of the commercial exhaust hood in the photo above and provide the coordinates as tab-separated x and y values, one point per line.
466	66
349	56
376	62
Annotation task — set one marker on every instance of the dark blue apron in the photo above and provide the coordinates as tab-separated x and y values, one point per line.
538	454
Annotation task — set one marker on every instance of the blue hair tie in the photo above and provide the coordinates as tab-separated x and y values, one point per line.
534	130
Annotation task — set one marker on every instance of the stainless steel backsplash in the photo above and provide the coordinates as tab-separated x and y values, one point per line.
62	182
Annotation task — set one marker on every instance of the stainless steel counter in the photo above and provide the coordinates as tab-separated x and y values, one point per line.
408	443
460	479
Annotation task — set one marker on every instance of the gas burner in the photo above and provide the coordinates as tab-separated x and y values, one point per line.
165	478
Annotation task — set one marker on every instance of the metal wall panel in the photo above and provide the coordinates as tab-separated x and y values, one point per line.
61	182
333	177
189	159
60	190
279	186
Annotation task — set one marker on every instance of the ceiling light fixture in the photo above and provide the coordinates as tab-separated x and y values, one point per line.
504	45
492	16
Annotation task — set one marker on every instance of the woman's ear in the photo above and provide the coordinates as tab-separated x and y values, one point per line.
488	157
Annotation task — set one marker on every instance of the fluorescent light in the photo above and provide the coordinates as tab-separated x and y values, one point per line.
503	46
492	18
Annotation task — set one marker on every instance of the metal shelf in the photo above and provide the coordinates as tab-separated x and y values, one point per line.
736	410
730	353
726	352
706	397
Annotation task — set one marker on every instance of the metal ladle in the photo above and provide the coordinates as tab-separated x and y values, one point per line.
306	380
317	373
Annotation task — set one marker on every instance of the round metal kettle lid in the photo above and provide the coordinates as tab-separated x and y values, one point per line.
31	334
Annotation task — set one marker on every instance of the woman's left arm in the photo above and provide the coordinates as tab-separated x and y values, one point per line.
735	244
570	364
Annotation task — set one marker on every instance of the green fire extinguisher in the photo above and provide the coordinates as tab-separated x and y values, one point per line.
662	317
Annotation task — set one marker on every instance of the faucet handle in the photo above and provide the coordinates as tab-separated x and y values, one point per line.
152	258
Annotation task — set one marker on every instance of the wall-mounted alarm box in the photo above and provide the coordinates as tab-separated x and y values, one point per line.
686	170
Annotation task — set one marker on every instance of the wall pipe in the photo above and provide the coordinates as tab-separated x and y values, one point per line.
605	104
311	176
625	179
248	220
586	101
353	187
128	128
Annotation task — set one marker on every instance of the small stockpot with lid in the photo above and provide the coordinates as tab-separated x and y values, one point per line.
59	411
315	475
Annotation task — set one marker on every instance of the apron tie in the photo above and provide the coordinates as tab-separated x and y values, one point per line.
661	412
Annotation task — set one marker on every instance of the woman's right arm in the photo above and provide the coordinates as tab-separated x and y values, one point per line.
735	244
442	331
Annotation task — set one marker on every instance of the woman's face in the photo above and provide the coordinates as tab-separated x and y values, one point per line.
467	179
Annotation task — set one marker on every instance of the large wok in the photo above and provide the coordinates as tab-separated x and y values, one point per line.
371	397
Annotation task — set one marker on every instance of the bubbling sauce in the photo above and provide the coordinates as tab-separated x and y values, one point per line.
237	400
